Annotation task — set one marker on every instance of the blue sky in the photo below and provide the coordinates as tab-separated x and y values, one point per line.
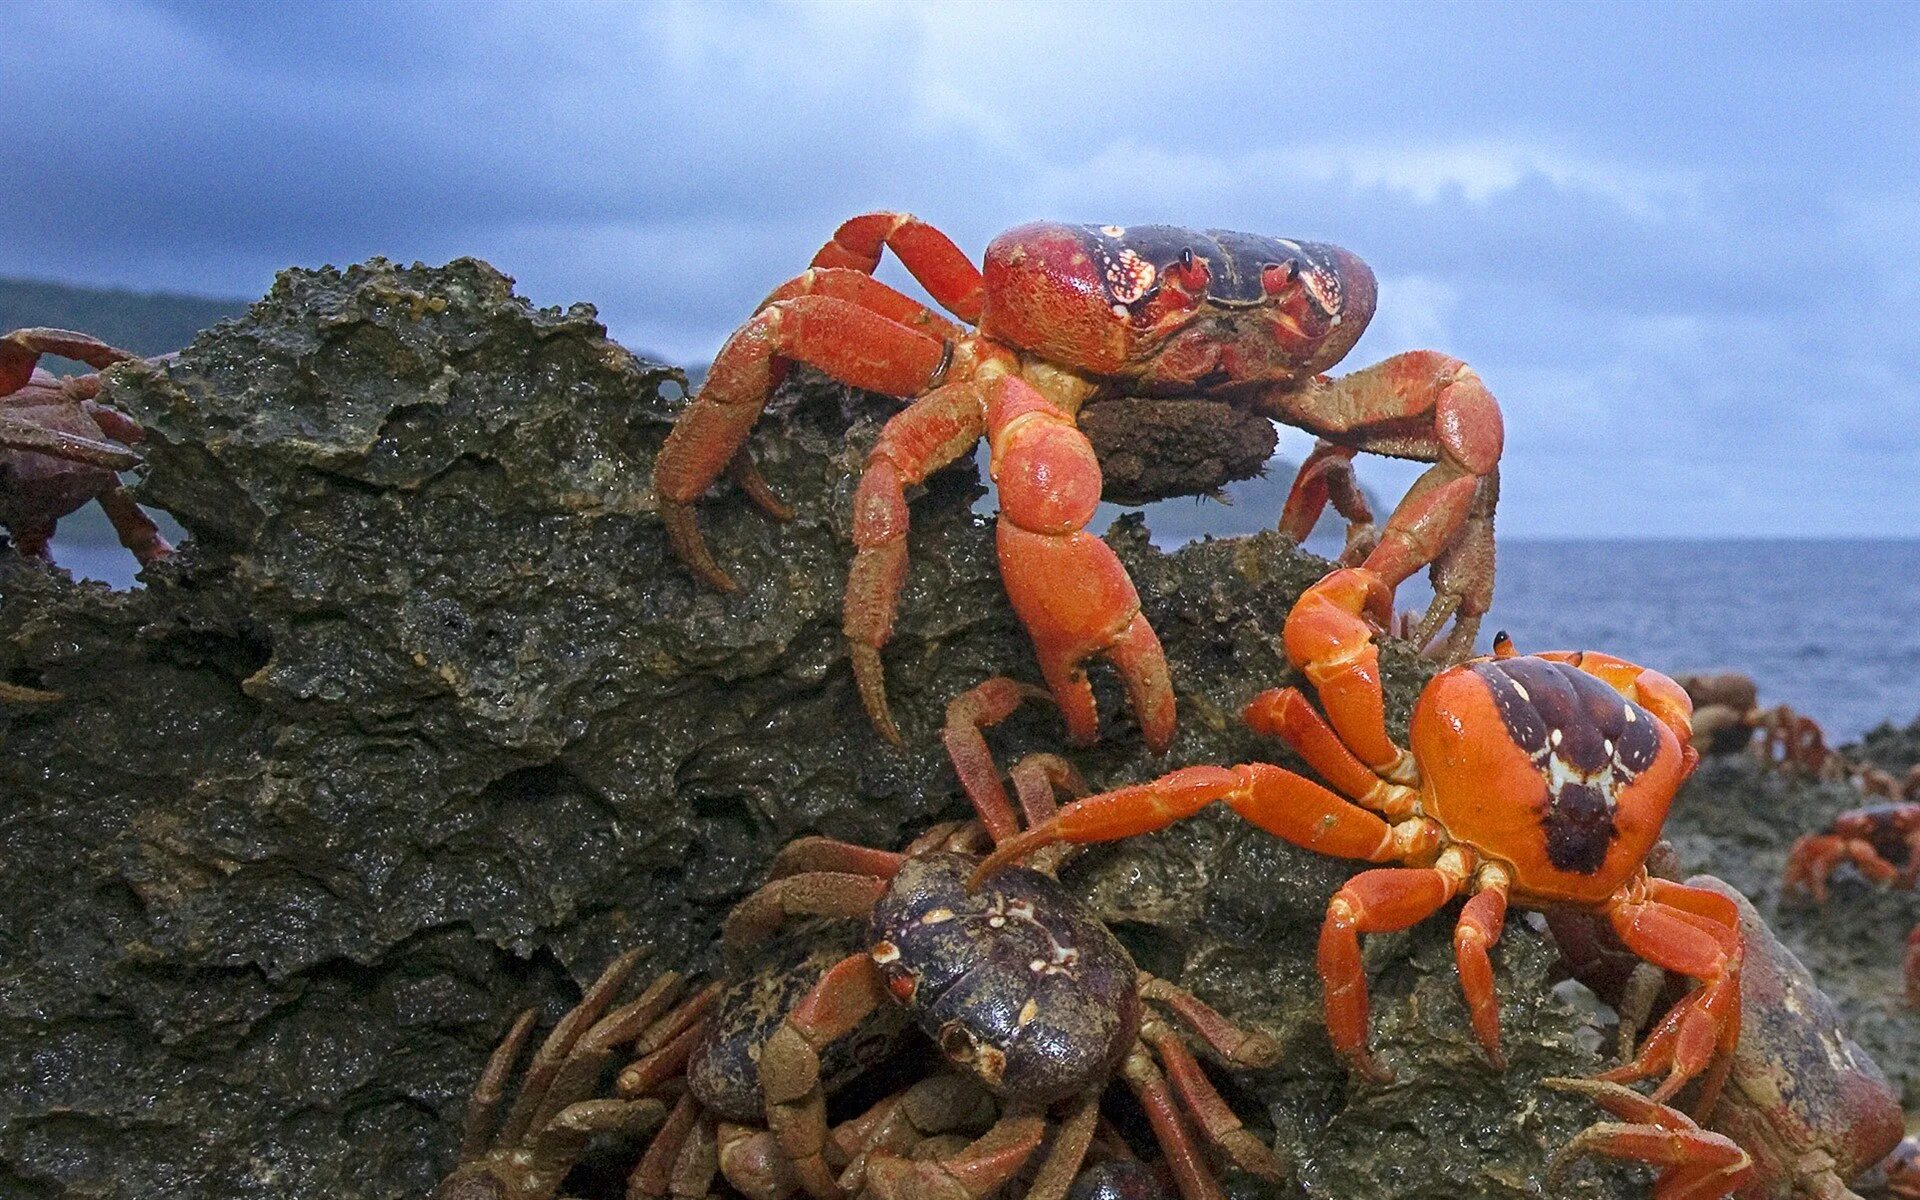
1679	241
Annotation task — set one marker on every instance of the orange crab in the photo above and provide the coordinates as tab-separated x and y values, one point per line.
1539	779
1065	316
1882	841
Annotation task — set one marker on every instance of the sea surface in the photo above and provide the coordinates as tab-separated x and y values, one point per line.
1829	627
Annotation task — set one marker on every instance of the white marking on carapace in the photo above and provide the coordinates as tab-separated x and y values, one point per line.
938	916
885	952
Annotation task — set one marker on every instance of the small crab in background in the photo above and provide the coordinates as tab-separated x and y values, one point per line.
1882	841
60	447
1063	318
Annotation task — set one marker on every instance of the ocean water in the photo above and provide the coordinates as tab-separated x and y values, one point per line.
1829	627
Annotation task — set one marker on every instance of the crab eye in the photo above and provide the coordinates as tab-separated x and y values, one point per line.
1186	256
1276	279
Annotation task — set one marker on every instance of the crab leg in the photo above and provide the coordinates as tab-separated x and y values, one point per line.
1663	924
1477	932
933	431
1190	1176
968	714
554	1052
852	343
1446	518
1814	857
1694	1163
1327	474
1327	636
927	254
846	995
1380	901
136	529
20	352
986	1163
491	1091
1913	967
814	894
1066	585
655	1175
1216	1121
1275	799
16	434
1287	715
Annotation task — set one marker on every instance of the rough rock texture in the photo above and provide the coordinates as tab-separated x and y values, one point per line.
1153	449
1737	819
424	726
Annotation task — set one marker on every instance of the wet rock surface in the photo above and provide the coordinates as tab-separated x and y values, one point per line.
424	726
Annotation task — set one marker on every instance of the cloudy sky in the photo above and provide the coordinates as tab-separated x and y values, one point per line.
1679	241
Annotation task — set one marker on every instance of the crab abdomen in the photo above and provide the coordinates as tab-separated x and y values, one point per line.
1544	767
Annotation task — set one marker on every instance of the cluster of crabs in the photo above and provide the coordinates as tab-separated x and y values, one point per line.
1537	781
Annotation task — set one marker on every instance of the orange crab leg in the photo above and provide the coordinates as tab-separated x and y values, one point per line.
812	894
927	254
981	1168
1184	1159
1275	799
1814	857
1381	901
849	342
976	709
1327	474
1288	715
863	289
1694	933
1477	932
933	431
1327	636
1694	1163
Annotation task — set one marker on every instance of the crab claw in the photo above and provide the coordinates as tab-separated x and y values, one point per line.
1330	636
1067	586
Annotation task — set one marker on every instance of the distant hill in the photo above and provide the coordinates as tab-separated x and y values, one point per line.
144	322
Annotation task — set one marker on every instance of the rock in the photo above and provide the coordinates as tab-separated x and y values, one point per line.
423	726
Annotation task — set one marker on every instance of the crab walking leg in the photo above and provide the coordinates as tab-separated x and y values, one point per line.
553	1052
810	854
1275	799
863	289
553	1148
1381	901
849	342
1066	585
591	1052
928	255
1694	1163
1707	1021
796	1104
978	1170
16	434
968	715
1477	932
933	431
1288	715
136	530
1216	1121
1038	779
491	1091
1327	474
814	894
653	1177
1184	1160
20	352
1327	637
1814	857
1429	407
660	1052
1238	1047
943	1104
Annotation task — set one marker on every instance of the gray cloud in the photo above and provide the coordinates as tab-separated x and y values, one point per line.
1679	251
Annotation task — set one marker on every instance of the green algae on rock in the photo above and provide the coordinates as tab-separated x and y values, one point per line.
424	725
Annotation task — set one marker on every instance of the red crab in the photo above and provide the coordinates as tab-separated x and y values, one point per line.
1541	778
60	448
1883	842
1065	316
